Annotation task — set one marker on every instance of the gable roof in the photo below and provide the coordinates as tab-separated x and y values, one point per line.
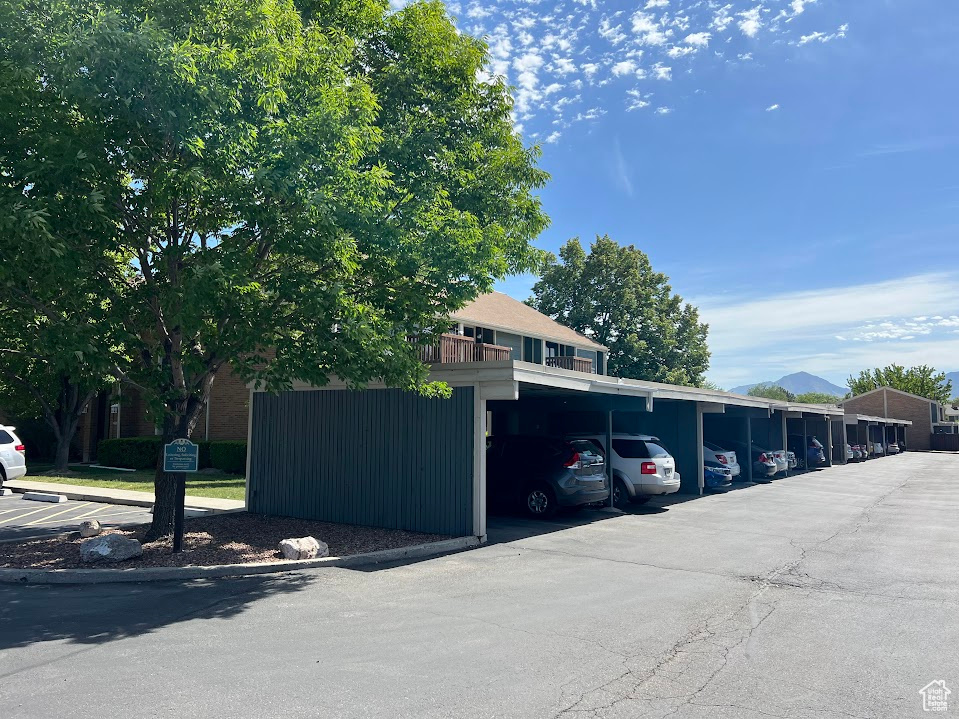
890	389
501	312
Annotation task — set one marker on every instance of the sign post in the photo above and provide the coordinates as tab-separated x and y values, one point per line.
179	457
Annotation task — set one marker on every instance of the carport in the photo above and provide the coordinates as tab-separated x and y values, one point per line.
388	458
806	421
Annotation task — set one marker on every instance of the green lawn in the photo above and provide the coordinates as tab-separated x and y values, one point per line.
221	486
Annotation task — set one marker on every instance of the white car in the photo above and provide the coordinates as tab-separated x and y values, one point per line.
642	467
13	455
878	449
892	448
781	460
727	458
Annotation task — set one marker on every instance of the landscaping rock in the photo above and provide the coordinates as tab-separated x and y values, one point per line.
109	548
304	548
90	528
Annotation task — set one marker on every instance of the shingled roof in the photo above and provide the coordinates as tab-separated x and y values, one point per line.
501	312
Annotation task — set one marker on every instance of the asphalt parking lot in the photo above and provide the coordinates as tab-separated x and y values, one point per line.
829	594
22	519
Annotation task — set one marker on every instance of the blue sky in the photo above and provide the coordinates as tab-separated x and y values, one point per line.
793	165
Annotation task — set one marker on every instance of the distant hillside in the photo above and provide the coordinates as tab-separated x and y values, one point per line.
954	376
800	383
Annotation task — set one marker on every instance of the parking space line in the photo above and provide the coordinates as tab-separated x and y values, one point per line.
94	511
107	516
26	514
44	519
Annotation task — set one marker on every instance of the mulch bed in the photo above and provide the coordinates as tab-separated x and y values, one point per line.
221	539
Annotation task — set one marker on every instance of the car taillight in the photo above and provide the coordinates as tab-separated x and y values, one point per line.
648	468
573	462
21	449
763	458
721	458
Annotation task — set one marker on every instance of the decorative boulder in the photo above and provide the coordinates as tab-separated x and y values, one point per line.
109	548
304	548
90	528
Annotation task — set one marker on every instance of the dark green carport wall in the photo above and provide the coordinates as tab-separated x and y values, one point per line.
379	457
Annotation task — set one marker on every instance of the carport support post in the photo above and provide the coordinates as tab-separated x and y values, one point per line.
749	448
609	454
701	460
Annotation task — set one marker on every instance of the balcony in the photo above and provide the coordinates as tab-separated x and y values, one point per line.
577	364
457	348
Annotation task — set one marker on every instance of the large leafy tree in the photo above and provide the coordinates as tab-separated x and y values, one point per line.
923	380
299	190
613	296
771	391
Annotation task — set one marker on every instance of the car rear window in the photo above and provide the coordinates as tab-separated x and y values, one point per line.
657	451
713	447
631	448
5	437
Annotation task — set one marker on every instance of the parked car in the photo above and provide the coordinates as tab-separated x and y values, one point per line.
541	474
13	455
850	455
791	460
892	448
782	464
878	449
716	476
727	458
763	465
857	453
811	455
642	467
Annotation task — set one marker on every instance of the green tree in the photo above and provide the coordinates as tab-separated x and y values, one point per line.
772	391
709	384
818	398
613	296
923	380
299	193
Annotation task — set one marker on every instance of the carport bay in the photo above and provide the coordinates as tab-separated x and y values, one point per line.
382	457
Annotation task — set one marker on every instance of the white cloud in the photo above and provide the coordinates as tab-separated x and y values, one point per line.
663	110
772	108
751	22
636	100
656	3
613	33
648	29
662	72
699	39
626	67
722	18
823	37
553	138
746	337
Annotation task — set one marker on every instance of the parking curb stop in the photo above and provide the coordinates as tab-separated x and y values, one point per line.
161	574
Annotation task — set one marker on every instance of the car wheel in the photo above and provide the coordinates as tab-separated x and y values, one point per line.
640	499
540	501
620	494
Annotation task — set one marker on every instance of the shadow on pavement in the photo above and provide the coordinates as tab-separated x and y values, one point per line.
102	613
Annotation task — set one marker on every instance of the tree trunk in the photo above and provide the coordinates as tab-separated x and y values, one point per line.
164	485
61	462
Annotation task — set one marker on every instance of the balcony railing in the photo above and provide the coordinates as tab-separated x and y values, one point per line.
577	364
457	348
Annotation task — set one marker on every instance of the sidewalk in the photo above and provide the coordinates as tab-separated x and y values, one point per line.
208	505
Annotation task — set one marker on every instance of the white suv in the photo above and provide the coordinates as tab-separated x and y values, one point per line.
642	468
13	462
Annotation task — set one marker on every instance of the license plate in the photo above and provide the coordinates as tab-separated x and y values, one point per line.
669	471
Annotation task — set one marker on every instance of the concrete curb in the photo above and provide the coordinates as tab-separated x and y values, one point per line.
161	574
90	495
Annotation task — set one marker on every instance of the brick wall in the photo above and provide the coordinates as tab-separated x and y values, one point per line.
897	406
229	407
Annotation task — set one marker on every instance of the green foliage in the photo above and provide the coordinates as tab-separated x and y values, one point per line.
709	384
771	391
292	194
818	398
228	456
130	452
144	453
613	296
923	380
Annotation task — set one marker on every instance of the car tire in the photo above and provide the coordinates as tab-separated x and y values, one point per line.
621	498
640	499
539	501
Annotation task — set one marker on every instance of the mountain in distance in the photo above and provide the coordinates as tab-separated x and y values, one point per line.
954	376
800	383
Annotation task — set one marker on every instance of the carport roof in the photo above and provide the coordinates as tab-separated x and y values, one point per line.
535	374
852	418
502	380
